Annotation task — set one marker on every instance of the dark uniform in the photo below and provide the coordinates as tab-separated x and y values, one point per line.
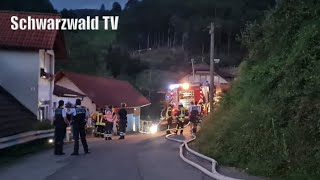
78	126
169	118
194	113
60	131
123	122
181	115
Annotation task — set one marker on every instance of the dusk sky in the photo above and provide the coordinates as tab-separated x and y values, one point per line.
84	4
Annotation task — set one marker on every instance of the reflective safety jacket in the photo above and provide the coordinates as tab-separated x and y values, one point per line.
109	116
169	112
100	120
182	113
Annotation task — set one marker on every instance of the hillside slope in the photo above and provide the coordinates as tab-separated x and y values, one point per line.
269	122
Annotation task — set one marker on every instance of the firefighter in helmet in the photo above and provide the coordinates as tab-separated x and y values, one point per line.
181	116
169	117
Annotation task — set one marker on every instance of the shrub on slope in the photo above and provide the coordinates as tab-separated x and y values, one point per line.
269	122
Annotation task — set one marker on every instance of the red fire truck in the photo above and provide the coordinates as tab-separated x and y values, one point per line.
186	93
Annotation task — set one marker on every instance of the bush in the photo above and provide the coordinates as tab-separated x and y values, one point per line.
268	122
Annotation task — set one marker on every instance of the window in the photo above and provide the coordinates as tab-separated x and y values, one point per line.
43	74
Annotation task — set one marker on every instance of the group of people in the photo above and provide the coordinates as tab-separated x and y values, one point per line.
104	120
77	117
180	115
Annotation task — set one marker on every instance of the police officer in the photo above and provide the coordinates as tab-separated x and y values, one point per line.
123	120
181	115
80	116
194	113
169	117
109	119
60	124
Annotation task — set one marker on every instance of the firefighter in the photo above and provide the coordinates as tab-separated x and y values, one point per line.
181	116
79	120
109	119
100	125
169	117
200	104
60	124
123	120
194	113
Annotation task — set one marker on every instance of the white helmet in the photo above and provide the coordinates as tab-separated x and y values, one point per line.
180	104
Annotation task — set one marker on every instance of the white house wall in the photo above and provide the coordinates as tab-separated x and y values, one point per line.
87	102
131	122
46	61
19	74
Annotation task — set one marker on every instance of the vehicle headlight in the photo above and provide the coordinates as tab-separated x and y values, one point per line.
50	141
153	129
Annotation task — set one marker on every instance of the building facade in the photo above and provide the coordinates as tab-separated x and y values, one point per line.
27	60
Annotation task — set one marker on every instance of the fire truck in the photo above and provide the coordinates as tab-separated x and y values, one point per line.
186	93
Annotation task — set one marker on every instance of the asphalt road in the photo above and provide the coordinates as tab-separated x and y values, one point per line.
138	157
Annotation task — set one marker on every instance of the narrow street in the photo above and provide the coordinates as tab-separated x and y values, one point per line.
138	157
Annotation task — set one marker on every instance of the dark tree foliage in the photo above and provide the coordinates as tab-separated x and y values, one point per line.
116	8
120	63
102	8
183	23
30	5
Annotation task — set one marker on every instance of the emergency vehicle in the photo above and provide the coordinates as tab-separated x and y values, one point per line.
186	93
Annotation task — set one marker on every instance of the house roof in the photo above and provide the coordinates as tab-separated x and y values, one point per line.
30	39
65	92
104	91
201	67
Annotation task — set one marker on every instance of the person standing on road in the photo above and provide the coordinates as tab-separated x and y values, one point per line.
100	125
123	120
194	113
80	116
109	119
60	123
181	115
169	117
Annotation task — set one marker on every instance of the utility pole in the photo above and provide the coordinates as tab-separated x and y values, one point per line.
148	43
211	95
192	63
150	83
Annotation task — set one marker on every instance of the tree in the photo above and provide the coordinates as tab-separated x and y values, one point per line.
131	4
102	8
120	63
116	8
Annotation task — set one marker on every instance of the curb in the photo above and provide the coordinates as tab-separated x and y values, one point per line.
213	173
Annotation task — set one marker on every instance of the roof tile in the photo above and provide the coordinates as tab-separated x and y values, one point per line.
26	39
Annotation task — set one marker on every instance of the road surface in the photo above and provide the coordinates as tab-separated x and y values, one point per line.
138	157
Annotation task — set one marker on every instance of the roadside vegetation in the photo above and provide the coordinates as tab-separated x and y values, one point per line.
269	122
42	125
16	153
